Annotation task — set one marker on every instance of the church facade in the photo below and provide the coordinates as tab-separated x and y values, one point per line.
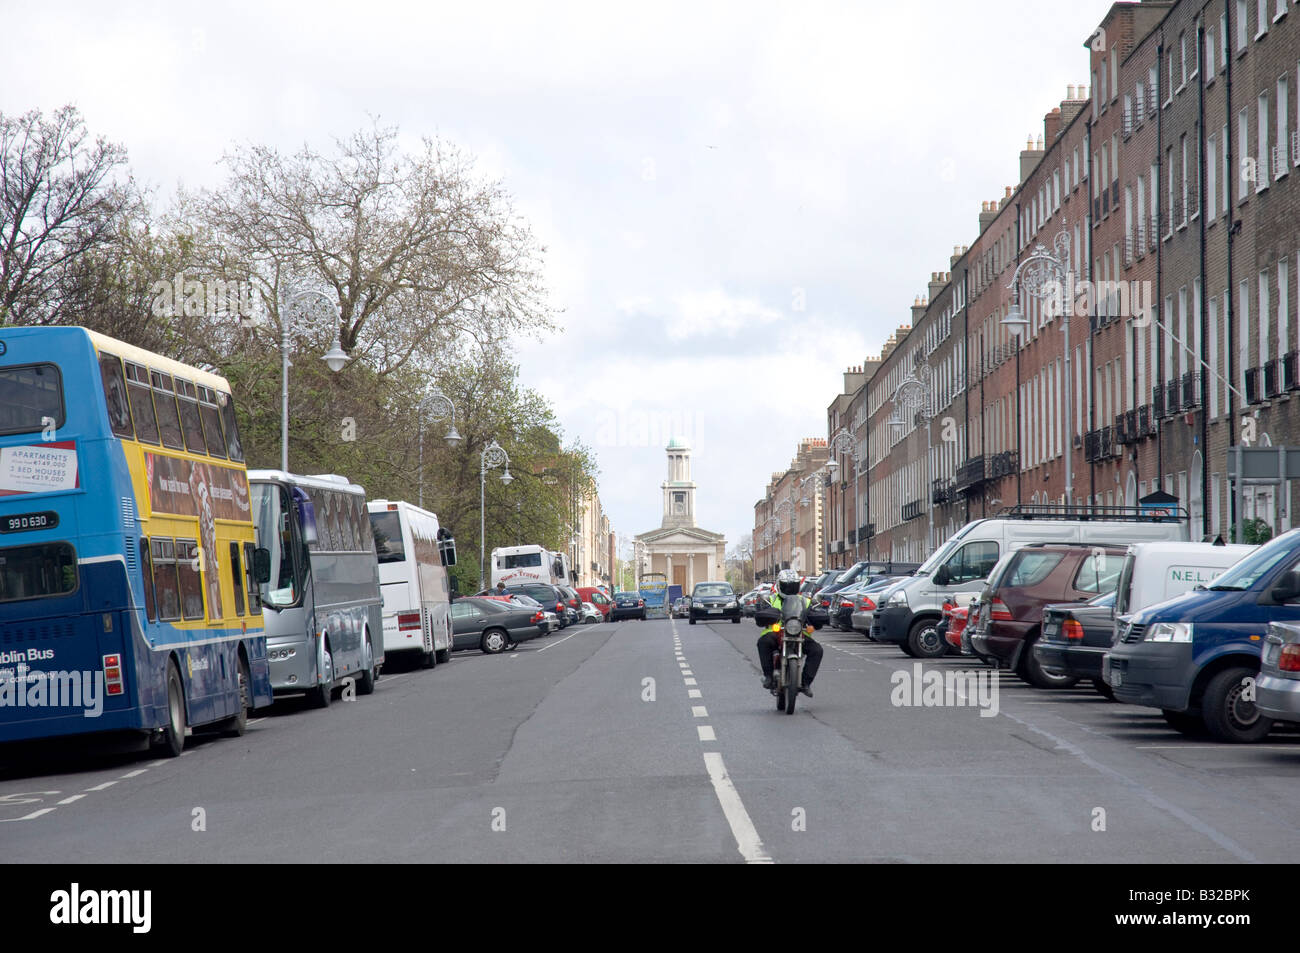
680	549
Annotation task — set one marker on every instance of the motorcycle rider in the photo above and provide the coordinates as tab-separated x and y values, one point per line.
769	617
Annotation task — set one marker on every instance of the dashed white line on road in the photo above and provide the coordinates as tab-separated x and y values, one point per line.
690	681
133	774
69	800
742	828
553	644
687	671
706	733
100	787
695	693
699	711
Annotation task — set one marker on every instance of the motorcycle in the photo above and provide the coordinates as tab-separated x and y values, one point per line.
788	659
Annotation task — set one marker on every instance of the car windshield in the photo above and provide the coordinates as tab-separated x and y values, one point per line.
716	589
943	552
1246	572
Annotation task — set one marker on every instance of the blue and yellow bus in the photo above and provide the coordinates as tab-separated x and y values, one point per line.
129	577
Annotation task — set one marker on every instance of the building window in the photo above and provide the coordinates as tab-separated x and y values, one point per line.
1261	14
1242	34
1262	156
1209	56
1211	179
1243	153
1282	165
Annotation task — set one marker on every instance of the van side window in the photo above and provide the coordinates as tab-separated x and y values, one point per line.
973	561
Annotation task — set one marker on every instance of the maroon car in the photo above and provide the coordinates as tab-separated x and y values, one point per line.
1011	607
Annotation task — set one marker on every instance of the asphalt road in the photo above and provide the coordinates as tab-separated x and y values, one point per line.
652	742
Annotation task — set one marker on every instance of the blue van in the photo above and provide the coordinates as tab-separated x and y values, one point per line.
1195	657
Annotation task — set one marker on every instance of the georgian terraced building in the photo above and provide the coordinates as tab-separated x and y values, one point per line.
1169	188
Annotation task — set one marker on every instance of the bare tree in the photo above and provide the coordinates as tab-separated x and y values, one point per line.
57	202
415	249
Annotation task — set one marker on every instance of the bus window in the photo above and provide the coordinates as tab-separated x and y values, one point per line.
233	444
254	603
146	567
166	586
387	529
137	386
31	395
190	423
237	578
169	421
119	410
187	559
35	571
211	423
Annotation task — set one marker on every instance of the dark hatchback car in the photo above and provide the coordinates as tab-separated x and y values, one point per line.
493	626
714	600
819	611
627	605
1036	576
551	598
1076	638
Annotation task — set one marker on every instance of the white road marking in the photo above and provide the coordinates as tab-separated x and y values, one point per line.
161	761
69	800
32	816
742	828
133	774
695	693
706	733
251	721
387	678
699	711
100	787
553	644
687	671
689	681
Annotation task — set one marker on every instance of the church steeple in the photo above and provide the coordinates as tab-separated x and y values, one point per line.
679	489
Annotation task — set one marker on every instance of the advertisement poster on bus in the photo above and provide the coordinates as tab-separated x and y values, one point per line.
38	468
654	590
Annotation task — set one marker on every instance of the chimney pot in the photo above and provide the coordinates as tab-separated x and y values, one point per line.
1008	195
1069	92
1029	143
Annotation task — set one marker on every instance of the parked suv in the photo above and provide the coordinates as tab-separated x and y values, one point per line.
551	597
1195	657
1036	576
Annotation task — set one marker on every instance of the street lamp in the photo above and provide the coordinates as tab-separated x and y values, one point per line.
437	406
335	359
781	507
491	458
916	394
842	442
1043	275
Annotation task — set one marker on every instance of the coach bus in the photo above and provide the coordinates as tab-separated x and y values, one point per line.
414	552
128	565
324	620
514	565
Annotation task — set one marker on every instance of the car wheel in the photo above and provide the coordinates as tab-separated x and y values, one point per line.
924	640
172	741
735	619
1032	672
907	648
1228	714
1104	690
1193	726
692	620
494	642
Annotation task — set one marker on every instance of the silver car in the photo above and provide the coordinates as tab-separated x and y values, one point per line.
1277	687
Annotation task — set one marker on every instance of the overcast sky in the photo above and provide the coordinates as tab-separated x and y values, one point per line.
738	200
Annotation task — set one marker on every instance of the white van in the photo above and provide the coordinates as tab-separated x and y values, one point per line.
414	553
909	613
515	565
1154	572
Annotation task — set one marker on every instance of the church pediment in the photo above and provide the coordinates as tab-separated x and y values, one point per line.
685	536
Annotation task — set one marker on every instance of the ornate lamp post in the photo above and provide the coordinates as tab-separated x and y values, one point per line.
491	458
916	394
436	406
335	358
843	442
1042	276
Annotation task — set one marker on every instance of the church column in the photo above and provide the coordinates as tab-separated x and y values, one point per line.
668	567
690	572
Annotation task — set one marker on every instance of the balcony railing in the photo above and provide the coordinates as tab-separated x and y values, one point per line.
941	490
1191	390
912	510
1004	464
1157	402
1173	396
1107	448
1145	421
1092	446
970	474
1271	380
1290	380
1252	385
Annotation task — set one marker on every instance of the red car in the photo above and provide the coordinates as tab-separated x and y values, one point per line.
956	617
598	599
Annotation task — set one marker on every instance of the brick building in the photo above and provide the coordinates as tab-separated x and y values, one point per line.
789	520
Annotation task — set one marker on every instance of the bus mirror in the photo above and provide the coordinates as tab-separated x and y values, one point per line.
261	565
447	550
307	518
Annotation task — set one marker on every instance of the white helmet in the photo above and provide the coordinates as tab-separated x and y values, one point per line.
787	580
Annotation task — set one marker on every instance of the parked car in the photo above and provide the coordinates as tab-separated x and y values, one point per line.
864	605
959	569
1277	689
493	626
591	614
597	596
953	624
1076	638
1037	576
857	601
713	600
1195	657
627	605
572	603
748	601
680	609
551	598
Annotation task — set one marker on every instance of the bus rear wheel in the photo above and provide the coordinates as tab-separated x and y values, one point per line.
237	724
172	742
366	682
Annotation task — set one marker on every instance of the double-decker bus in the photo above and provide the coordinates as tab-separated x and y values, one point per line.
654	590
128	568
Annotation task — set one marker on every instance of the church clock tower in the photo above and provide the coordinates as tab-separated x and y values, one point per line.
679	489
